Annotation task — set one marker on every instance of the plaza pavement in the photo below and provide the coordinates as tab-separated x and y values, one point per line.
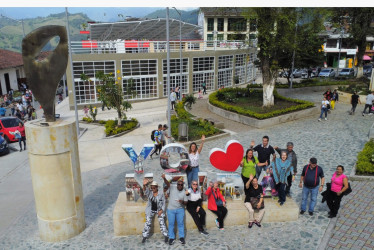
104	166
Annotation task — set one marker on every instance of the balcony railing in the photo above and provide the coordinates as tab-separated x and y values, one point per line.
120	46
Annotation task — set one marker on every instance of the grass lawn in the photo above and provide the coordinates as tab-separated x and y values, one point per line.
254	103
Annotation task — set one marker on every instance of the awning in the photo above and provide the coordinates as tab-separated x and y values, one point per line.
367	58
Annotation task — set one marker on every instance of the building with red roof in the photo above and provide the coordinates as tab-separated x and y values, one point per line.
11	70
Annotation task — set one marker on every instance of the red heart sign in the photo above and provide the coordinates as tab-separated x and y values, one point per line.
228	160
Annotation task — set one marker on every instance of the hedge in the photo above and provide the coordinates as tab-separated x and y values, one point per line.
315	82
196	128
364	164
301	104
111	127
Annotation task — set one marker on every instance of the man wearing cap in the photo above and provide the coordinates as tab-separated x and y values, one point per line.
292	156
155	205
177	200
310	177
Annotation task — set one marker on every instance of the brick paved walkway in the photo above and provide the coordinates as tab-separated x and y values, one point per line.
354	227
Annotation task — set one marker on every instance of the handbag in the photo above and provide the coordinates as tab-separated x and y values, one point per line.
348	190
219	202
254	202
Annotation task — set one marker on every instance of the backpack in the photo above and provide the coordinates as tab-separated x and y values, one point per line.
153	135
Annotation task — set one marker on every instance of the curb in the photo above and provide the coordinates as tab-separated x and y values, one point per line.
354	177
225	134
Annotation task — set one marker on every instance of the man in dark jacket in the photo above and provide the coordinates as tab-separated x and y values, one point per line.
291	155
310	178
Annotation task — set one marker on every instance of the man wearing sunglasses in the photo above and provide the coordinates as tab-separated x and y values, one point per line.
175	211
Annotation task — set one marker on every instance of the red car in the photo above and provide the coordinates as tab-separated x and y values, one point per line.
9	124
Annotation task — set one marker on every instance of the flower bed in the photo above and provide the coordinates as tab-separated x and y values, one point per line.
225	99
111	126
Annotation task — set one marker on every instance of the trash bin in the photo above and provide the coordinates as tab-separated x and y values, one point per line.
183	130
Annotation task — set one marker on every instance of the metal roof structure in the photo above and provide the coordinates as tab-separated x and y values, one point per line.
153	29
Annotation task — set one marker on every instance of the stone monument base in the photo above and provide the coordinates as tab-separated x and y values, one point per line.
129	217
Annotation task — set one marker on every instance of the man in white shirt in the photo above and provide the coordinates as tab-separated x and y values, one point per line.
324	108
369	103
173	98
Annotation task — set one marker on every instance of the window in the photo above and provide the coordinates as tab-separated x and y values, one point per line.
144	75
203	71
239	69
86	90
236	37
252	24
237	24
225	67
210	37
220	24
210	24
331	43
175	75
220	37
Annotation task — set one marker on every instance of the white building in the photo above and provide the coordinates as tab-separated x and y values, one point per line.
11	70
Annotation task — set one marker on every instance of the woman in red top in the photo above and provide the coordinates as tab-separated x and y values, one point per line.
21	130
339	183
214	196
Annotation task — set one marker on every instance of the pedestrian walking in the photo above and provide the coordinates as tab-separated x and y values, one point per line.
175	210
369	103
339	183
173	98
334	99
177	92
155	205
2	110
324	108
312	181
157	136
355	99
165	137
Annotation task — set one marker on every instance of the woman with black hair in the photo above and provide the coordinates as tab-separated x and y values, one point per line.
248	165
339	183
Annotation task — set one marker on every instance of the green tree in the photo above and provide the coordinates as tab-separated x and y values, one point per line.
110	91
357	22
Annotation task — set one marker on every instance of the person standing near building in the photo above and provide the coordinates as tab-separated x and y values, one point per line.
291	155
175	211
355	99
264	151
2	110
173	98
155	205
177	92
204	87
369	103
312	180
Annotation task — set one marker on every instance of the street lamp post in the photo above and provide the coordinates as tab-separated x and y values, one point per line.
168	68
340	49
72	72
180	52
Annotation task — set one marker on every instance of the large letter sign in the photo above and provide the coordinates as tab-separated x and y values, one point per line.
138	159
228	159
182	160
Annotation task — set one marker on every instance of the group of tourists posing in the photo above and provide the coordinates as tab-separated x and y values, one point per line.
280	173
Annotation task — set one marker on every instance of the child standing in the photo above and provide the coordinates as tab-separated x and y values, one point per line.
85	110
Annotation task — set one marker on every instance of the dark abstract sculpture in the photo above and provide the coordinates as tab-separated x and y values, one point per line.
44	76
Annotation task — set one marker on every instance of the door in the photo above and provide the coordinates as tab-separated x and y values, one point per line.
7	82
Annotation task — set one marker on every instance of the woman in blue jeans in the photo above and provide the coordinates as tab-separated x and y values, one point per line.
193	154
324	108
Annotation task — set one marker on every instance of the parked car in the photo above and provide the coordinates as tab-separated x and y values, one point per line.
368	69
4	148
315	72
297	73
304	73
9	124
327	73
347	72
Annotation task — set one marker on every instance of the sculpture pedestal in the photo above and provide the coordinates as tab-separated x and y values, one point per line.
129	217
56	179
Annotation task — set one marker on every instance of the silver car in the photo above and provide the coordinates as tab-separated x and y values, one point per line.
327	73
347	72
